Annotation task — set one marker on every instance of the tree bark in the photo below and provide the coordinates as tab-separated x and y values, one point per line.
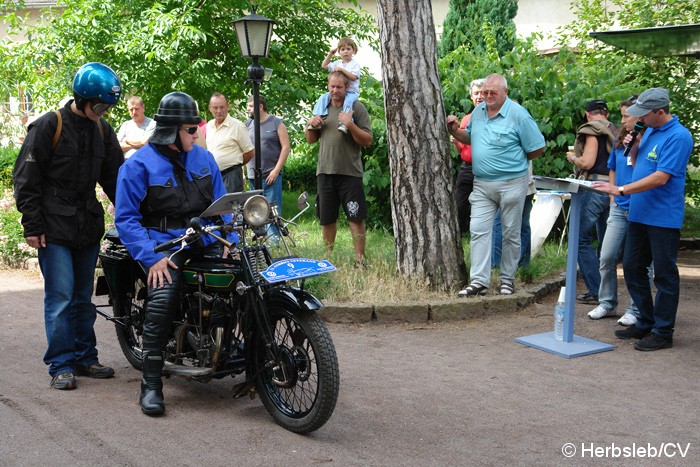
426	234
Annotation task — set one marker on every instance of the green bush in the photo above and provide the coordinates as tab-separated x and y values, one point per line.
300	170
377	176
12	244
8	155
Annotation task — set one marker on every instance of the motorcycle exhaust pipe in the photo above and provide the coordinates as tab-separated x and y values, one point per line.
218	339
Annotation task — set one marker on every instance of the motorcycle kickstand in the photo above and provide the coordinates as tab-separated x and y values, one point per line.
240	390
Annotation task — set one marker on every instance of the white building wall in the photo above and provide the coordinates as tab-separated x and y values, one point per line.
543	16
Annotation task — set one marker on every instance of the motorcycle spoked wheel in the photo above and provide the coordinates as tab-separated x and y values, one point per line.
302	391
130	336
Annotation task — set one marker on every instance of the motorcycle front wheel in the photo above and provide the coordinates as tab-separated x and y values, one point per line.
300	389
131	311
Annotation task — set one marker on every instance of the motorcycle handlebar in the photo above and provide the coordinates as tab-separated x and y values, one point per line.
195	229
169	244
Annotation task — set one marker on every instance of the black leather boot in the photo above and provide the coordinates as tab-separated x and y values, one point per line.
151	397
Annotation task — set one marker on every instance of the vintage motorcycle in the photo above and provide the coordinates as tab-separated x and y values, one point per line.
245	313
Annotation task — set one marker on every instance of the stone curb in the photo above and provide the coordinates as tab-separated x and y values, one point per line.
438	311
422	312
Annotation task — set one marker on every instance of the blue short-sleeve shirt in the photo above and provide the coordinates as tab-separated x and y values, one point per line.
666	149
500	144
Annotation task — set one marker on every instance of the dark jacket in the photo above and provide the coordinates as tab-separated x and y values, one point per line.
55	189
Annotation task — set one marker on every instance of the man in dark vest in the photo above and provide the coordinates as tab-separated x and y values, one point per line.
592	148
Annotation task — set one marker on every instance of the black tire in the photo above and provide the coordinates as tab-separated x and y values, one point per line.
131	310
306	399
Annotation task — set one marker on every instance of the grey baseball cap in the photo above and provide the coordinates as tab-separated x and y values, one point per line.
654	98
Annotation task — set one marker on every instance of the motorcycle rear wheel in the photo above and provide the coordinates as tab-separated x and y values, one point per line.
132	311
301	392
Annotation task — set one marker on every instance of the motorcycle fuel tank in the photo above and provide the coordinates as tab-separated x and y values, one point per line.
214	275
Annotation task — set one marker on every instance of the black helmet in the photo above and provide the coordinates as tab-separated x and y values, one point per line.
177	108
96	82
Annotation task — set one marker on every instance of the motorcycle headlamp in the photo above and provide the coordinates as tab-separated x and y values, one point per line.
256	211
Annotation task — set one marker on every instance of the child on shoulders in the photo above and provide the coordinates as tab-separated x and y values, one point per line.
350	68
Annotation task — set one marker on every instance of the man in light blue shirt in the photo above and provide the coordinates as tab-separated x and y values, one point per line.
504	137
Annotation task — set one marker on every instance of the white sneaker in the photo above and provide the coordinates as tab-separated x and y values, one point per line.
628	319
600	312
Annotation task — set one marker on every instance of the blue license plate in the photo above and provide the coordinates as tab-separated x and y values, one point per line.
295	269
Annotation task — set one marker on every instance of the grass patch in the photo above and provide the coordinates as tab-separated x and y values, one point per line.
691	221
379	281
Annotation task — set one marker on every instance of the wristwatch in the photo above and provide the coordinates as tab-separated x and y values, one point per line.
621	189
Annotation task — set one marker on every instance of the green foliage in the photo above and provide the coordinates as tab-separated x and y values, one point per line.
377	176
300	171
464	19
185	45
556	88
678	74
12	244
8	155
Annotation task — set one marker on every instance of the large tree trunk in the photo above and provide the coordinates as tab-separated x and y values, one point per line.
426	234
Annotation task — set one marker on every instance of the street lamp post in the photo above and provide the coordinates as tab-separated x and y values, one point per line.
254	32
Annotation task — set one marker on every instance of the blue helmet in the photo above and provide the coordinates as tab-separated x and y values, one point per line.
96	82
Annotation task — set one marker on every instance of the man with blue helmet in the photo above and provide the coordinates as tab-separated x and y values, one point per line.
160	188
64	155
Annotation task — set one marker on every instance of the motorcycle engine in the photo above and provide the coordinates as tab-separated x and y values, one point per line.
220	313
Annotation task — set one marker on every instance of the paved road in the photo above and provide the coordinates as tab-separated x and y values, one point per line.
458	393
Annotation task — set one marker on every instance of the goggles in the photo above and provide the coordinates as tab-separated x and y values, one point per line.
100	108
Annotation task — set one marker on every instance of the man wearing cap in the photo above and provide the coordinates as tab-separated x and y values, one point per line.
655	217
594	140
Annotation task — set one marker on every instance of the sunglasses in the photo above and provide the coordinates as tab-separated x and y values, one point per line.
101	108
191	130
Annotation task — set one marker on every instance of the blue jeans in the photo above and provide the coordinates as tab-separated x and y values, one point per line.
525	231
322	103
69	314
644	244
594	214
486	199
273	193
610	252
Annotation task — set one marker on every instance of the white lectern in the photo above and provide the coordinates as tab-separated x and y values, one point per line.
571	346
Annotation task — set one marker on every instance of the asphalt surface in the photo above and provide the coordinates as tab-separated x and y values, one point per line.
457	392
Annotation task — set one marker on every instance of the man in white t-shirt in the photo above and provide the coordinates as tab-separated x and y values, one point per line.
134	133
